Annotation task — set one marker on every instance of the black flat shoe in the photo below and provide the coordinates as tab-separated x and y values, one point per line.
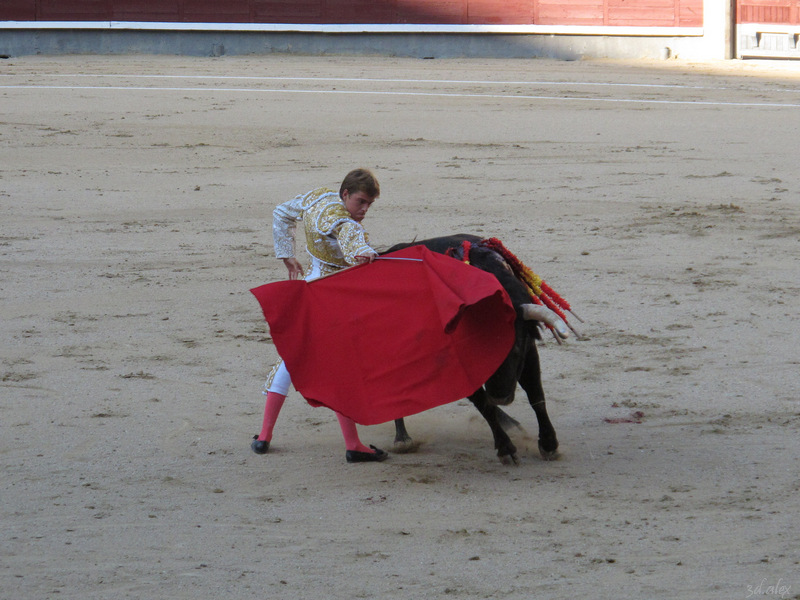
259	446
354	456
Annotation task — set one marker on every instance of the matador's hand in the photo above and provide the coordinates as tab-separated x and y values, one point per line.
294	267
362	259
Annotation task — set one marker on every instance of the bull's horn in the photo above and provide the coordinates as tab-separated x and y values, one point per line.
535	312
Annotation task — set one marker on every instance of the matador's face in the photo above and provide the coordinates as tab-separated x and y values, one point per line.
357	204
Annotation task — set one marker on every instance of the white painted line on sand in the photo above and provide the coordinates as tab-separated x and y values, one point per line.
412	94
395	80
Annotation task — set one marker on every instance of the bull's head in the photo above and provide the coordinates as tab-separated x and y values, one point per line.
503	383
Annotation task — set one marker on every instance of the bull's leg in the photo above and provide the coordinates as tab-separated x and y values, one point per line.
506	451
531	382
402	441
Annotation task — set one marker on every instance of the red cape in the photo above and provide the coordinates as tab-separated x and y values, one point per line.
392	338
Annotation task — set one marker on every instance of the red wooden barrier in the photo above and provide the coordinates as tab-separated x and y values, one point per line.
785	12
642	13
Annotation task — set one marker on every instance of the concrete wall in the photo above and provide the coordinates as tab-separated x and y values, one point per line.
424	45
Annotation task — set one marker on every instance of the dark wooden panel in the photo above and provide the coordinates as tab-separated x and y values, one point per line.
287	11
73	10
216	11
17	10
431	12
359	11
145	10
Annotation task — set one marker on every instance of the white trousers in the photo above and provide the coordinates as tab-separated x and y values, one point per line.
280	381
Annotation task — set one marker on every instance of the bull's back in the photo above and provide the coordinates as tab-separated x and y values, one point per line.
439	244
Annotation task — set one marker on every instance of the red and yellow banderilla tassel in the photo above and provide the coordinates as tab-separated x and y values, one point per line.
540	292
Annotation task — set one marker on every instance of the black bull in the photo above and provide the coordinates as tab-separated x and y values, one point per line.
520	366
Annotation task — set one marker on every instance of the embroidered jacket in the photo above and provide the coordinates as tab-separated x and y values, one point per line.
333	237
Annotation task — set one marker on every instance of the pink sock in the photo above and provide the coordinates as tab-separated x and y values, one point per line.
350	433
271	411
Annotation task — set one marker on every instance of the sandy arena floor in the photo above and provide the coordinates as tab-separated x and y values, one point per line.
135	206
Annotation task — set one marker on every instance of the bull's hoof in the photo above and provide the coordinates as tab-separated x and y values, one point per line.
509	459
407	446
548	455
507	453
